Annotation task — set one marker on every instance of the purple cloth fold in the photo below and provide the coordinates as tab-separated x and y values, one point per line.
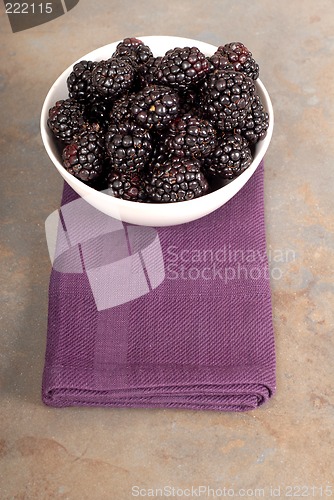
171	317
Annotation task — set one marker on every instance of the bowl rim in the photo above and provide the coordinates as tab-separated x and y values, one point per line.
160	207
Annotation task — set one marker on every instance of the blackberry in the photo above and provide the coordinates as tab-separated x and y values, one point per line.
256	122
112	78
128	146
127	185
190	136
219	61
147	71
133	50
154	106
119	112
240	57
79	82
84	158
127	47
182	68
176	179
143	54
230	157
66	120
226	97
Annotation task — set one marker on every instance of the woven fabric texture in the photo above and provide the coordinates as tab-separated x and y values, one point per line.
171	317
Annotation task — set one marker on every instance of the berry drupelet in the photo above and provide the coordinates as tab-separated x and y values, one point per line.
176	179
66	120
128	146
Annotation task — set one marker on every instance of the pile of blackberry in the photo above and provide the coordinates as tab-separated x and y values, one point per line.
160	129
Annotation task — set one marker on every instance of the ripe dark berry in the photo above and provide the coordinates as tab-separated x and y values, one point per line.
79	82
154	106
226	97
146	72
190	136
127	185
120	109
84	158
113	77
66	119
256	122
230	157
219	61
176	179
240	57
128	146
133	50
181	68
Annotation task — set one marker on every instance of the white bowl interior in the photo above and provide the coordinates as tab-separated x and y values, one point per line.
147	214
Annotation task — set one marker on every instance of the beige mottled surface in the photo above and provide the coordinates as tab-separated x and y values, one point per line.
101	453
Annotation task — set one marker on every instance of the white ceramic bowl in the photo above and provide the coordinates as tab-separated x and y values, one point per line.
147	214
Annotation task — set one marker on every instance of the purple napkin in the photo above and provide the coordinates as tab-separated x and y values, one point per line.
173	317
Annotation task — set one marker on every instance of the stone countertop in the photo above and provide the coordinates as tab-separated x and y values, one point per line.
78	453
